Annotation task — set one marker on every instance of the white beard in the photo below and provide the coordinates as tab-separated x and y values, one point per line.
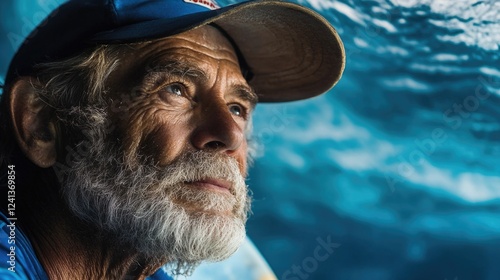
152	208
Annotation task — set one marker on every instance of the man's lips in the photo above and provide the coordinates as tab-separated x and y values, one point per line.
213	184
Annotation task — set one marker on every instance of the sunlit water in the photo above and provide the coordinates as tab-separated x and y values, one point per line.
399	165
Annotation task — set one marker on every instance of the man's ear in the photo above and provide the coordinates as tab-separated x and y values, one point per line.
32	122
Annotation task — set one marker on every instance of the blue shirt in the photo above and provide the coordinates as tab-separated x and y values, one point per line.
18	260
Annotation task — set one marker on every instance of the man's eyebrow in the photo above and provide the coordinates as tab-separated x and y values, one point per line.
181	69
174	68
247	94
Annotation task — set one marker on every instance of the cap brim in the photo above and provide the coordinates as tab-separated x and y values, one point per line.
293	52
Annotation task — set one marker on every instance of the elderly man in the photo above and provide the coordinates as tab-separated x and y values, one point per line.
125	129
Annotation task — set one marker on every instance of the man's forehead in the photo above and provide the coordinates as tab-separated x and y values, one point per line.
196	50
195	54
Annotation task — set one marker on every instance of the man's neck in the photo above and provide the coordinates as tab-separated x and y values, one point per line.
69	249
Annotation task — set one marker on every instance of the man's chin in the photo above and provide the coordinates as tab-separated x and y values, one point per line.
197	210
204	237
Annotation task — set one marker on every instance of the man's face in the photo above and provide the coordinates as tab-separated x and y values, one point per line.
168	177
186	93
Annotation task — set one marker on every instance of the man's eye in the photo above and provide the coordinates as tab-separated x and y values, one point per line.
176	89
237	110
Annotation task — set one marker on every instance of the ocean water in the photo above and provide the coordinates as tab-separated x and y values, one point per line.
393	174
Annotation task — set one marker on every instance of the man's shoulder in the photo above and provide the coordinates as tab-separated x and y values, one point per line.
17	257
18	260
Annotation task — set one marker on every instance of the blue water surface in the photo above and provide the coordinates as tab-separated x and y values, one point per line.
395	173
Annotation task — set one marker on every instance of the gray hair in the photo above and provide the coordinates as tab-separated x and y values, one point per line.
62	85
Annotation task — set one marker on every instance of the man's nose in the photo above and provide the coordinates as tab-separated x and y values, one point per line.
217	130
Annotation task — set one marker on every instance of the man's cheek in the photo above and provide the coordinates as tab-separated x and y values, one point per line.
162	145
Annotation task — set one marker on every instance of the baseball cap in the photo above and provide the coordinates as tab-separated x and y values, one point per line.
292	52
